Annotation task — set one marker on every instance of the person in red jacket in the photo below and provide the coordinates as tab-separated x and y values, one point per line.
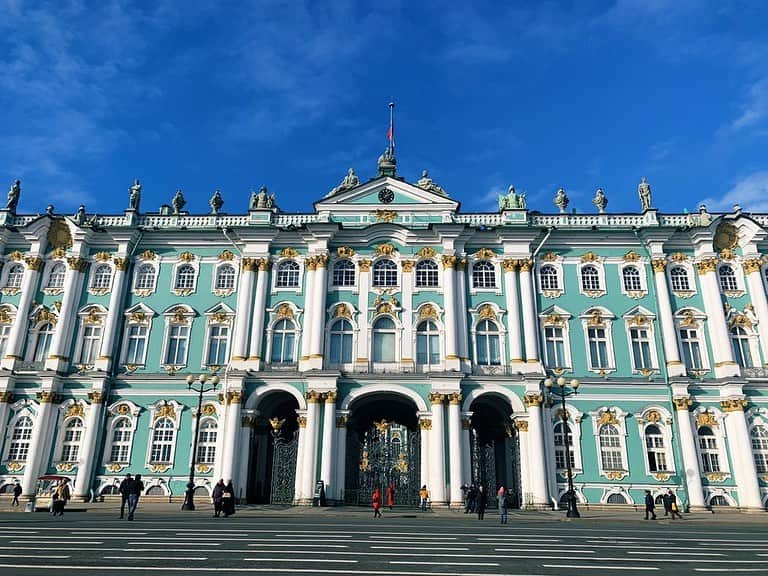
390	495
377	503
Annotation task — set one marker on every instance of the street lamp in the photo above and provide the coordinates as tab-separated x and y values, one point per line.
201	381
563	392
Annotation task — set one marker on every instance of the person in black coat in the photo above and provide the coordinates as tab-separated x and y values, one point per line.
481	501
218	497
123	490
667	501
650	505
228	499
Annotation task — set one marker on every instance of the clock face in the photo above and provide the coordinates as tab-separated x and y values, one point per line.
386	196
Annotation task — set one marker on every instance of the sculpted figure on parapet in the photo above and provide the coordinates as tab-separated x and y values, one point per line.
350	181
13	196
135	197
644	191
513	200
178	202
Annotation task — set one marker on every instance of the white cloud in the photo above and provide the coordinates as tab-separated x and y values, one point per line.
755	107
751	193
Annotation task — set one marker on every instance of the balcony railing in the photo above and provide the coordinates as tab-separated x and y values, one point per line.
756	372
30	366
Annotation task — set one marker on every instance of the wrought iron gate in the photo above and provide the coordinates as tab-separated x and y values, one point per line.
284	451
386	453
484	467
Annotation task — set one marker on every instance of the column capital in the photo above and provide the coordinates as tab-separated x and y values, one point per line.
7	396
302	421
121	263
364	265
682	403
509	265
752	265
342	421
436	398
250	264
531	400
314	397
706	265
525	264
449	261
34	263
466	423
321	260
425	423
455	398
234	397
461	264
330	397
407	265
521	425
77	264
96	397
659	264
247	421
733	404
47	397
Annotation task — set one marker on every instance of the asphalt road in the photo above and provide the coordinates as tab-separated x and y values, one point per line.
400	544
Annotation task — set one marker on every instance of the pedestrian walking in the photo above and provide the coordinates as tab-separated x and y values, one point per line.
481	502
503	496
228	499
16	494
667	502
390	495
376	503
135	489
650	505
673	507
424	498
123	490
217	497
471	499
61	496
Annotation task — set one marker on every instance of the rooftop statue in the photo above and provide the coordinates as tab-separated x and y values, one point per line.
178	202
561	201
426	183
644	191
512	201
261	200
13	196
135	197
79	217
600	200
216	202
350	181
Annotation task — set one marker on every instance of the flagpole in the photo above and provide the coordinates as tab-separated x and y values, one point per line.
392	127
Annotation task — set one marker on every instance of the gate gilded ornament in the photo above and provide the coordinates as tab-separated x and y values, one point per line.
284	451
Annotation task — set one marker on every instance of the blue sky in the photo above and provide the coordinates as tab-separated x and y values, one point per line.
204	96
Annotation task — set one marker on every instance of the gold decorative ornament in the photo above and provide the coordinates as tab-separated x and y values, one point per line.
631	256
689	320
661	476
249	264
752	265
64	467
653	416
436	398
526	264
123	409
461	264
727	254
407	265
706	419
331	396
313	396
48	397
455	398
615	474
532	400
321	260
234	397
345	252
426	252
341	421
264	264
7	396
203	468
726	236
449	261
639	319
428	312
364	265
596	319
364	464
382	425
679	257
59	253
521	425
209	410
607	417
187	257
138	318
485	254
554	320
59	235
165	411
659	264
277	423
159	468
590	257
5	318
179	315
288	253
147	255
16	256
486	312
92	318
302	421
733	405
381	215
284	311
402	463
342	311
96	397
385	249
740	319
34	263
74	411
715	476
114	467
706	265
425	424
509	265
102	257
226	256
550	257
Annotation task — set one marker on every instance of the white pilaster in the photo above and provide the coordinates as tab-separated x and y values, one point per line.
306	330
525	463
691	471
362	319
449	297
408	343
245	429
528	307
244	311
455	448
744	469
536	451
259	310
722	351
329	445
58	357
298	492
82	487
437	450
466	448
341	456
668	336
112	322
231	429
309	456
317	311
38	449
425	428
19	328
462	334
516	359
759	301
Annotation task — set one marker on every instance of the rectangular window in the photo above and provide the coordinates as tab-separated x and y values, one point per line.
178	336
341	348
689	339
384	346
555	347
427	349
641	348
137	344
217	345
5	333
598	348
91	343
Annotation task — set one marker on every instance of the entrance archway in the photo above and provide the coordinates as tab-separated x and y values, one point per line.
273	450
383	449
495	448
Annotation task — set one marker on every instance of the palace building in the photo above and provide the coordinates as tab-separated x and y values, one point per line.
383	337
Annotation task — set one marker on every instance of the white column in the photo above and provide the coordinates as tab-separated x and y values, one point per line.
437	450
408	344
317	311
528	308
309	464
744	469
88	446
513	317
112	322
362	318
341	456
38	449
59	353
298	491
690	456
245	429
668	336
329	448
538	467
6	397
462	334
19	328
244	310
231	428
759	301
449	298
259	310
526	496
455	448
722	351
425	428
466	448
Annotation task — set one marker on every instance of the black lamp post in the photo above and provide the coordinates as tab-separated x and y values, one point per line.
201	388
563	392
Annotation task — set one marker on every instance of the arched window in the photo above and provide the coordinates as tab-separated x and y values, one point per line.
610	448
727	277
385	273
206	442
488	343
287	274
759	437
102	276
185	277
163	439
631	277
384	335
15	276
616	499
89	350
341	342
710	454
145	277
741	347
56	276
678	276
43	343
654	446
218	341
283	342
483	275
20	439
718	500
427	344
560	448
590	278
120	450
344	273
689	339
70	445
426	274
5	336
548	278
225	277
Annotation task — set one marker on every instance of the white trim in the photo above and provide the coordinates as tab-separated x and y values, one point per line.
700	326
621	425
115	413
650	326
170	321
255	398
575	417
502	331
498	276
138	263
607	324
558	267
544	323
665	427
154	419
24	407
46	277
274	319
640	267
440	366
440	274
217	266
195	265
6	272
720	435
600	268
96	291
369	389
298	289
149	315
330	322
61	430
738	275
688	267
